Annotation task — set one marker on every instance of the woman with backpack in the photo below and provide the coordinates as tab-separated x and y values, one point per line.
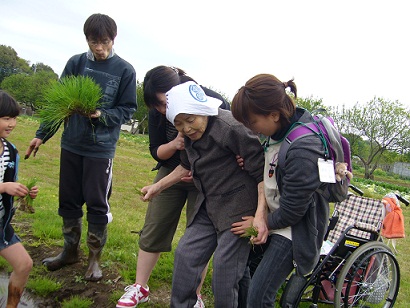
297	214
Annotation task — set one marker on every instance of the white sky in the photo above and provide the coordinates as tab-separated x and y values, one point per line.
341	51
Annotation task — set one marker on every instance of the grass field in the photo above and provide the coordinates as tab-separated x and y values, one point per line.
132	170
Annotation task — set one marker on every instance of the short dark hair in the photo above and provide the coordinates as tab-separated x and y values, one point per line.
8	105
99	26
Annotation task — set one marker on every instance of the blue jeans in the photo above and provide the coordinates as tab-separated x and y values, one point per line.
274	268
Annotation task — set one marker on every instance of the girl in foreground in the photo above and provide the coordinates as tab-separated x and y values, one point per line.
10	247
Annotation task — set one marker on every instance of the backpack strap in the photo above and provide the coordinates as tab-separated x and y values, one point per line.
303	129
333	136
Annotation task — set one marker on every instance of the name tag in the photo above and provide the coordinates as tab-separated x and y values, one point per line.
326	171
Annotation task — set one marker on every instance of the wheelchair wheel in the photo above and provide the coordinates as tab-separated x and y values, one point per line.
369	278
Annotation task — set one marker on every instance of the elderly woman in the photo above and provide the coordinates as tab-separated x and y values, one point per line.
226	194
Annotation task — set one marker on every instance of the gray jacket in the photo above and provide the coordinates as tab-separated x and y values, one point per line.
98	137
227	191
301	206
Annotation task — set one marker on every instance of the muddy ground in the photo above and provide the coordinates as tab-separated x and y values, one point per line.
73	284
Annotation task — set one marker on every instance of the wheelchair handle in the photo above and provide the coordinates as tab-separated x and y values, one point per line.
361	193
356	189
405	201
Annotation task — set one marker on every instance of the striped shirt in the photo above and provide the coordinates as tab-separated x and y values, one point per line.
4	160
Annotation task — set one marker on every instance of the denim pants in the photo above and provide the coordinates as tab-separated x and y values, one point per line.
271	273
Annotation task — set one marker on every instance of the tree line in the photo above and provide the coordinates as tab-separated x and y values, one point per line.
378	130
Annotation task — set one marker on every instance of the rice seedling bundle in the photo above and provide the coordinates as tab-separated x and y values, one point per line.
250	232
70	95
26	203
30	184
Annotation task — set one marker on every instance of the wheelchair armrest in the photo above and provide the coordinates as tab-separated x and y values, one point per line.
366	227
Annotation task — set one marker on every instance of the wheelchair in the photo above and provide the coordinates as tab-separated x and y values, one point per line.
356	268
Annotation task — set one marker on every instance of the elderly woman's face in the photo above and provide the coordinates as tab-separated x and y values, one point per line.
192	126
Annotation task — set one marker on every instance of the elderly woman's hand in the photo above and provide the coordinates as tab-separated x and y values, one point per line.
240	227
149	192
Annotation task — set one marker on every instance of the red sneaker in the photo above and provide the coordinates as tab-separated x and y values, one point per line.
134	294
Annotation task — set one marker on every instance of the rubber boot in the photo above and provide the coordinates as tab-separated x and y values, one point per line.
70	253
96	239
13	297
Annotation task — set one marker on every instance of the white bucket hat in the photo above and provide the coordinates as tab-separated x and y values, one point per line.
189	98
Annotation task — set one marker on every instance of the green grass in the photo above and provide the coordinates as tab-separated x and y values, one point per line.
77	302
43	286
132	169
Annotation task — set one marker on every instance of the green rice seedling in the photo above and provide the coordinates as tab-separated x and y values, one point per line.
139	192
250	232
30	184
25	204
70	95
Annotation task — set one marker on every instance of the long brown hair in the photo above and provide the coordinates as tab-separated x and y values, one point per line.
262	95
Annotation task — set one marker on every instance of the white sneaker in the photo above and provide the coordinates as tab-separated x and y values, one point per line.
134	294
199	303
